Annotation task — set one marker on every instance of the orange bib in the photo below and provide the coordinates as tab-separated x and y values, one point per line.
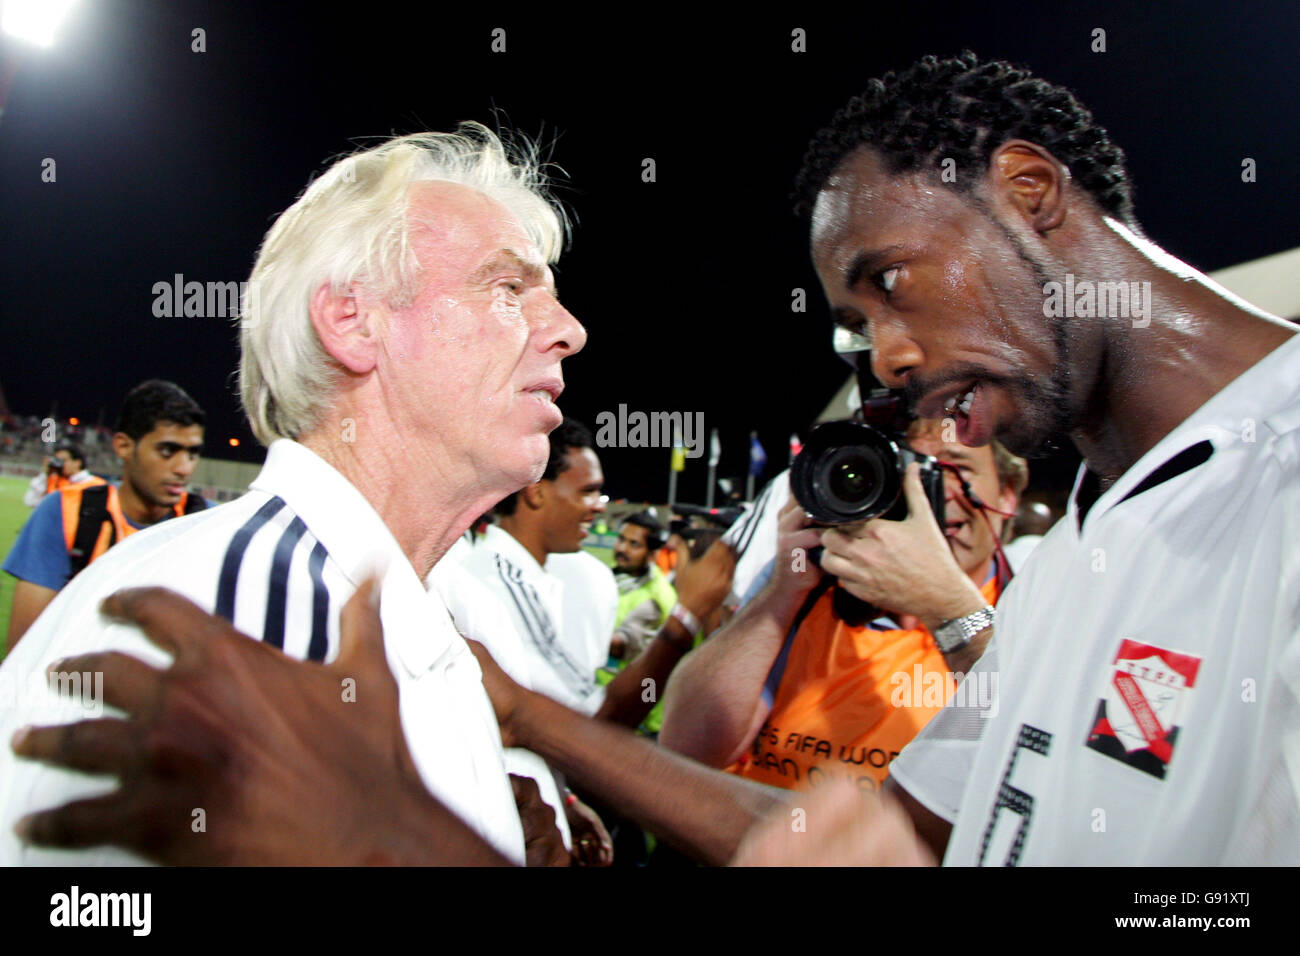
849	700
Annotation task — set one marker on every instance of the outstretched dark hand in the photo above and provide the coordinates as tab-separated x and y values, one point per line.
237	754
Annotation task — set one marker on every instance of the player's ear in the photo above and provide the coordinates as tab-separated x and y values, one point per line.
1030	180
345	327
534	495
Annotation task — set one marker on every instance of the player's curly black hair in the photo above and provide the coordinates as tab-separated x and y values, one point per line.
964	108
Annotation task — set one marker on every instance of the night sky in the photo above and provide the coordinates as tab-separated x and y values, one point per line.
171	161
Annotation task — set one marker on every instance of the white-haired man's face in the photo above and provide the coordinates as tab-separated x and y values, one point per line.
474	362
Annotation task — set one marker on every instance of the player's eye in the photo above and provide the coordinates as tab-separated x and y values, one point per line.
888	278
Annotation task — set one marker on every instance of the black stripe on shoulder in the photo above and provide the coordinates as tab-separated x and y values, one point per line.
320	605
229	579
514	582
1185	460
755	517
277	595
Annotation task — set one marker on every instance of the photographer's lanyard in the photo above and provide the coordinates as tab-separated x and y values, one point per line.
1001	569
778	666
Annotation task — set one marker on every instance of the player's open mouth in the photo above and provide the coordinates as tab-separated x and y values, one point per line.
970	410
961	402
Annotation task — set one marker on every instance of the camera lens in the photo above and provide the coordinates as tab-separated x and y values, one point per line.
848	481
846	472
852	478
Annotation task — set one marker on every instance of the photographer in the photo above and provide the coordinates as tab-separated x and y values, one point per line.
791	695
66	467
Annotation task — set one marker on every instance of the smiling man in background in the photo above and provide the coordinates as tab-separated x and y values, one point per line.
563	598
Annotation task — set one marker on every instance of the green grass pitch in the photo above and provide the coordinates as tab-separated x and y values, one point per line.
13	514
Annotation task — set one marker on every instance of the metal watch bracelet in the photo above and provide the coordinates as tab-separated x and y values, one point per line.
957	633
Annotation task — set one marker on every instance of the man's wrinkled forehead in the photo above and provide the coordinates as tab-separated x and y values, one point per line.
459	222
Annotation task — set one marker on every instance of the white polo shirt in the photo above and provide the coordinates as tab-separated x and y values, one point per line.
280	562
565	613
1149	697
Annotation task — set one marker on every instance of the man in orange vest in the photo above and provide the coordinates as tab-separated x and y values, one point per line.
159	435
66	467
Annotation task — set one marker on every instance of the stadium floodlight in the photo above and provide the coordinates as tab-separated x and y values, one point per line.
35	21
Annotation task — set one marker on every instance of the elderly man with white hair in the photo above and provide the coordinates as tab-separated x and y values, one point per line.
402	321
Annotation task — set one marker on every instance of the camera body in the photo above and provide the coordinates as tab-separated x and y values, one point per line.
699	537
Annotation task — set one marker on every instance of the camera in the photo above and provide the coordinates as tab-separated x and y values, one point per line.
715	518
699	536
852	470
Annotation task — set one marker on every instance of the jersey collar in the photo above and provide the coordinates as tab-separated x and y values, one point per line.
1262	402
358	541
508	546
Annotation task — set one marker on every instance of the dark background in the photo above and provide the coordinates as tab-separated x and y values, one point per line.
173	161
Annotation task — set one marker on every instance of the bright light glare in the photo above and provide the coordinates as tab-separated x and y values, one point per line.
35	21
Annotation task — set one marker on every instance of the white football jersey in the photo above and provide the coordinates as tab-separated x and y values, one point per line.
1148	708
565	612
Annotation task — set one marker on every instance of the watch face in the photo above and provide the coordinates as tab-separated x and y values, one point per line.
958	633
950	637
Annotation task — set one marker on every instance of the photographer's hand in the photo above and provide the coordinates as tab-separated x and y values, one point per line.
794	575
904	566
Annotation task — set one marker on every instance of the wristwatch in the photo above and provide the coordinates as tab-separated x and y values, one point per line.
957	633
